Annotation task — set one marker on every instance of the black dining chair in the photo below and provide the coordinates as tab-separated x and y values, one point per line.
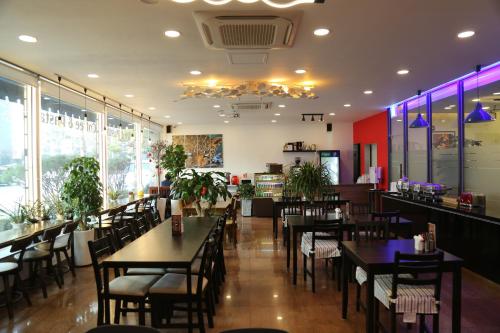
292	205
414	287
392	218
315	209
14	268
122	329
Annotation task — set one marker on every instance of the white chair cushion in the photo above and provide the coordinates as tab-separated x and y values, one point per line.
132	285
146	271
60	243
173	283
361	276
410	299
7	266
325	248
33	255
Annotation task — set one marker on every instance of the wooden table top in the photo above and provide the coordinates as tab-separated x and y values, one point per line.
159	248
218	205
14	231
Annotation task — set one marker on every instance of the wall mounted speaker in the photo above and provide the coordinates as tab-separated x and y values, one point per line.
329	127
169	129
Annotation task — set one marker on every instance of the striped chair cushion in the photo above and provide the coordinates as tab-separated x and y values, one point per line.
410	300
284	219
325	248
361	276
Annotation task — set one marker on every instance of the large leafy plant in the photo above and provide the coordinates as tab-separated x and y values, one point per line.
173	160
247	191
195	187
308	179
82	189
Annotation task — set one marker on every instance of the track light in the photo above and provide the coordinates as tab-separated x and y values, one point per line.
312	117
303	118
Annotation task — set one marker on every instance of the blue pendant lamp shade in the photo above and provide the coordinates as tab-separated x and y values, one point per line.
419	122
478	115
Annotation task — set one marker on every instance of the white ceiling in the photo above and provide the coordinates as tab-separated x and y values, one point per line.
123	42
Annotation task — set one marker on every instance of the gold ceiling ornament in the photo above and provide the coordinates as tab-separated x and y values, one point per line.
248	88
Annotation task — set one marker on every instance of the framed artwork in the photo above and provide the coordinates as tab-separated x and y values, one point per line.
444	139
204	151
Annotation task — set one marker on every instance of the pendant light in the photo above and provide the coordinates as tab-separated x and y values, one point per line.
478	115
59	121
419	122
132	137
142	129
85	117
120	127
149	130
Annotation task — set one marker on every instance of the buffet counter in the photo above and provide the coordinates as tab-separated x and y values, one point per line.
472	234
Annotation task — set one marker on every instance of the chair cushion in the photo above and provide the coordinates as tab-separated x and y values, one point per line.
60	243
195	268
361	276
33	255
325	248
132	285
174	283
7	267
145	271
410	299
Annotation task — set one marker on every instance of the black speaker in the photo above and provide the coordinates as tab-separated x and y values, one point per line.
169	129
329	127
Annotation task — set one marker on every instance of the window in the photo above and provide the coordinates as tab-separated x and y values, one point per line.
444	138
13	143
482	142
417	142
397	144
149	176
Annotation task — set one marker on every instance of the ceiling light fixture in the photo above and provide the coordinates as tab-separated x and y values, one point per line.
403	71
28	39
152	108
129	95
149	130
332	113
281	105
172	33
270	3
59	122
195	72
347	105
273	121
496	93
320	32
368	92
419	122
277	114
93	76
167	116
300	71
478	115
226	121
216	106
85	116
319	115
132	123
179	123
466	34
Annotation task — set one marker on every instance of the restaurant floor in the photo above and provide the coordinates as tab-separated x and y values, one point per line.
258	293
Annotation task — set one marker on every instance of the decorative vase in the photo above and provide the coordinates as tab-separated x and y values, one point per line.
82	254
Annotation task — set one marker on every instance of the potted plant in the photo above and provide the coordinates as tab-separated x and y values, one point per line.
82	193
309	179
16	215
247	191
57	206
200	187
173	161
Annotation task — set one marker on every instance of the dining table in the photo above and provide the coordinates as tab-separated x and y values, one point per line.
298	224
10	231
377	257
159	248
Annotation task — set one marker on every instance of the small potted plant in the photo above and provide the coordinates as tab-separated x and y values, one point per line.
191	186
82	194
247	192
16	215
57	206
308	179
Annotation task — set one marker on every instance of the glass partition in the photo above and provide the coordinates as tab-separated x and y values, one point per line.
397	143
417	142
482	143
444	138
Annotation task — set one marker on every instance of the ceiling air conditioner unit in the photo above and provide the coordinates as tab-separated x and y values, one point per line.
243	30
251	106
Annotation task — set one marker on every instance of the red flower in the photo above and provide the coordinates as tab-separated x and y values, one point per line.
203	191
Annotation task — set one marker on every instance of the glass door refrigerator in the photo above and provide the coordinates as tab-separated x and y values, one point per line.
331	159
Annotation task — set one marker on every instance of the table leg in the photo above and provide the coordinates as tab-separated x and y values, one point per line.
288	248
369	301
294	252
275	222
189	305
456	299
345	285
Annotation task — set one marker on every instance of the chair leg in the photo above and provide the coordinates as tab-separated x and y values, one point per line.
376	311
124	308
393	318
19	286
117	311
209	310
100	313
313	272
59	270
40	278
201	322
142	313
421	324
435	323
8	295
54	271
304	266
338	275
70	262
358	296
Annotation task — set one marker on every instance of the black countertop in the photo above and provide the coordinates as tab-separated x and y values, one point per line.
485	215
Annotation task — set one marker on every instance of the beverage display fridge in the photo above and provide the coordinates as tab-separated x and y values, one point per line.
331	159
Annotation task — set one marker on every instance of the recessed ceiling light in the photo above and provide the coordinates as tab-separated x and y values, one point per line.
195	72
179	123
216	106
466	34
27	39
172	33
46	98
496	93
222	115
321	32
151	108
368	92
476	100
347	105
300	71
226	121
167	116
93	76
486	107
129	95
443	121
403	71
273	121
277	114
281	105
332	113
451	105
399	120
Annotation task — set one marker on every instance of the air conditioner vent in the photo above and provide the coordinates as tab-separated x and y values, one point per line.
247	30
251	106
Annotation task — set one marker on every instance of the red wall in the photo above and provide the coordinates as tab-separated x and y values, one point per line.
373	130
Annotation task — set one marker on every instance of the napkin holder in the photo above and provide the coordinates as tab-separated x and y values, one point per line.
177	225
419	243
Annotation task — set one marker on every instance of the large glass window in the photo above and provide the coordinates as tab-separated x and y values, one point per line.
65	133
445	138
149	174
397	144
122	171
417	142
482	143
13	144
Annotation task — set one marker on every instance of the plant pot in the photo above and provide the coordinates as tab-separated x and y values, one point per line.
60	217
82	254
246	207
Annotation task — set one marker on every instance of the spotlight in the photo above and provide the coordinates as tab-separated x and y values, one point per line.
303	118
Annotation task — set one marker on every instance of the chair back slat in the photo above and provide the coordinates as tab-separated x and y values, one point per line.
371	230
314	209
99	248
20	245
123	235
326	229
292	205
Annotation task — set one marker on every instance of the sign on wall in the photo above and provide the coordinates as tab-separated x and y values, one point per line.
204	151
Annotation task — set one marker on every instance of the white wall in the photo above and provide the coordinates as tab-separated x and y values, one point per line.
247	148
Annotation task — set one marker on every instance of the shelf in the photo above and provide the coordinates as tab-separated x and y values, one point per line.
299	151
